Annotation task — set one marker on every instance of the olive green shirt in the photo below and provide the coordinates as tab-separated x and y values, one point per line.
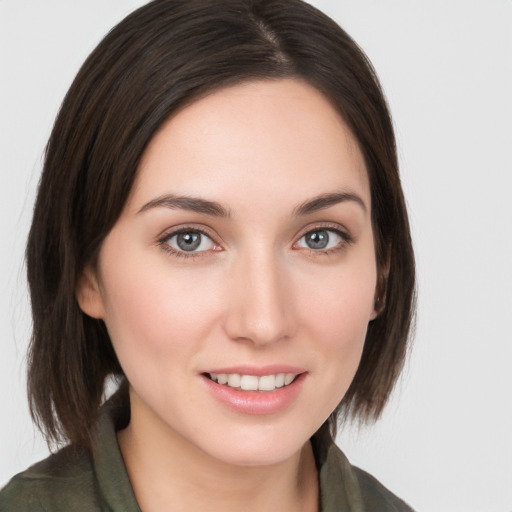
75	481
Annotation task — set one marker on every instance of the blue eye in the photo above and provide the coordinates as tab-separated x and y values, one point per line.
321	240
189	241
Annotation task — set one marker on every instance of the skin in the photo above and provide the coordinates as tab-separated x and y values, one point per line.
254	293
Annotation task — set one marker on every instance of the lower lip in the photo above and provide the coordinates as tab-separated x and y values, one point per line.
256	402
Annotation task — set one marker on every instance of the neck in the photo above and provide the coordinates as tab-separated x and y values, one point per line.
167	472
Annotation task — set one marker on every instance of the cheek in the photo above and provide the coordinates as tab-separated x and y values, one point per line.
340	331
153	316
341	304
336	315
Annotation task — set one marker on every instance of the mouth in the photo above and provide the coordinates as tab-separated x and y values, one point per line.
262	383
253	390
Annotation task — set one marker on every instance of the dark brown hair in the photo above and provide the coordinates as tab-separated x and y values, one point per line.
158	59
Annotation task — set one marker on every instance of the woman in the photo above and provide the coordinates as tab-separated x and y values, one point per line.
219	226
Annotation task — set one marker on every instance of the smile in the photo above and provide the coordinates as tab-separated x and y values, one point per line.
250	390
253	382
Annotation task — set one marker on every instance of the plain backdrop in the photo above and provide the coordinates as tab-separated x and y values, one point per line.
445	441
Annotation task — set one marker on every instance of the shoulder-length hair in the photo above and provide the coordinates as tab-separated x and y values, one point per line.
160	58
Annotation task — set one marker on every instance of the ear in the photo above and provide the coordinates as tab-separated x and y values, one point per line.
88	293
379	302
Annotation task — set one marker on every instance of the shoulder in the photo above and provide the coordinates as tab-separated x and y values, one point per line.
376	497
347	487
62	482
74	480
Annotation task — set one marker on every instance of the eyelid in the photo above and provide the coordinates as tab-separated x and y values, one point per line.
162	239
340	230
326	225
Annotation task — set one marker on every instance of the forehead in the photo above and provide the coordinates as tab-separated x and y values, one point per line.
260	136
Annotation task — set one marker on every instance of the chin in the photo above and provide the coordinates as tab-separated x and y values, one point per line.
263	446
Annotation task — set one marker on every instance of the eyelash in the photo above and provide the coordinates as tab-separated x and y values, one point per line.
346	238
163	242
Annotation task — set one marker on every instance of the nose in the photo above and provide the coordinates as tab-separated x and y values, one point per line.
259	302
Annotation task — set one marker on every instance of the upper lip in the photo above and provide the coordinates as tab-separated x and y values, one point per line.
258	371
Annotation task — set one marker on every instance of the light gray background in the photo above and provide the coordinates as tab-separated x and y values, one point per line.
445	442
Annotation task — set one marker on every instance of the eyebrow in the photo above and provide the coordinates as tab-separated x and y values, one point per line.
324	201
194	204
215	209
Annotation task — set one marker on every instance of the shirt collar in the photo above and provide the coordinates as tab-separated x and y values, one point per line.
339	488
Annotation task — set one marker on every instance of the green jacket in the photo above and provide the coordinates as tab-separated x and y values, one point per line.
74	481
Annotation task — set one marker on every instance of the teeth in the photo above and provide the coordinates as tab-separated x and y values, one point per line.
279	380
267	383
252	382
249	382
234	380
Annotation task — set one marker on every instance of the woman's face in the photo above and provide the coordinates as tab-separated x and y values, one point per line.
244	254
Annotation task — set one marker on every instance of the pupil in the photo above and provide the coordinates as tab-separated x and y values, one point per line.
317	240
189	241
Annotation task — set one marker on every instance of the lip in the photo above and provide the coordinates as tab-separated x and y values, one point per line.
258	371
256	402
